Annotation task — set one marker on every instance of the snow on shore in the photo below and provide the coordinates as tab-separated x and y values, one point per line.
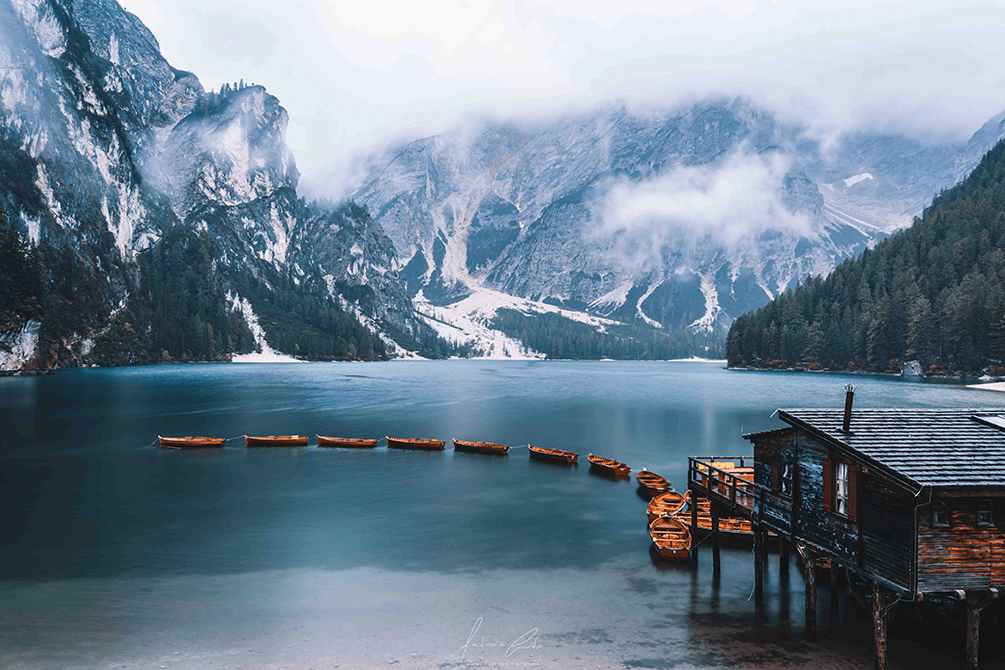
993	386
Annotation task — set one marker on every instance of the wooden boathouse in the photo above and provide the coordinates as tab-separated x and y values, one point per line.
910	500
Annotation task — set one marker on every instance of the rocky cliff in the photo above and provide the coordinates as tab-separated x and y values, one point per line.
680	219
106	151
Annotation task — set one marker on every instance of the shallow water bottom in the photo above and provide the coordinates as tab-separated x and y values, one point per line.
621	615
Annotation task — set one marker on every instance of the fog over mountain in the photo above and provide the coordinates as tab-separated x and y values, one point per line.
681	219
527	179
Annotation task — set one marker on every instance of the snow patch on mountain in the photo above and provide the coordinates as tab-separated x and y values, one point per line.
21	346
613	299
851	181
638	306
468	321
265	353
712	310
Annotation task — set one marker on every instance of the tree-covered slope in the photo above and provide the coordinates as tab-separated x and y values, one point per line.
143	218
933	293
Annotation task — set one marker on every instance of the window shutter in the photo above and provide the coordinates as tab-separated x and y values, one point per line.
828	485
853	493
776	477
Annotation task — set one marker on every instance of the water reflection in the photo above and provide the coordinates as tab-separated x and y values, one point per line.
111	542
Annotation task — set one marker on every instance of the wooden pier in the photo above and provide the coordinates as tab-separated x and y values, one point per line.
875	496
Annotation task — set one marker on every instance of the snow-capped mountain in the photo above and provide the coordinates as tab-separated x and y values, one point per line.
105	149
681	220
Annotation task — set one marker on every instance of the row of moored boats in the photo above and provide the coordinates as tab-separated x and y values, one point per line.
556	455
670	517
669	510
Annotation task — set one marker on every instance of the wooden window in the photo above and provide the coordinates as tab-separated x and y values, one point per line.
781	479
786	483
984	513
841	489
940	515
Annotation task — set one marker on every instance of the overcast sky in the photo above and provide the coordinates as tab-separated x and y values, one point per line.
353	73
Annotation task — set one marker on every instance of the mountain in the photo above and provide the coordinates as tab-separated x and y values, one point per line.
932	295
679	220
151	219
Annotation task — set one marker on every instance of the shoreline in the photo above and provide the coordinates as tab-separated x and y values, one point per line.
261	360
960	378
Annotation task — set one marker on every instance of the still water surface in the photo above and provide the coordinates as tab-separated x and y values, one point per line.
116	553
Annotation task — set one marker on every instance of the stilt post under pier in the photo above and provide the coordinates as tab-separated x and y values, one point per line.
811	596
694	528
976	601
758	566
973	629
716	564
783	559
880	612
835	579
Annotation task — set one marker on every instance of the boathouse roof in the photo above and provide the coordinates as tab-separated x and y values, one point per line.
926	447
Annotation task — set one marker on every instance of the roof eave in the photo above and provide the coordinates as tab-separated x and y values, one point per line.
897	476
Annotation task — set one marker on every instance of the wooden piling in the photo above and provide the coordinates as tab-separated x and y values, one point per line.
879	617
758	566
835	586
811	597
716	559
783	559
694	528
973	628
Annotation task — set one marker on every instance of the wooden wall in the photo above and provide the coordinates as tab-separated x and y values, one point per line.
877	536
886	517
964	555
777	448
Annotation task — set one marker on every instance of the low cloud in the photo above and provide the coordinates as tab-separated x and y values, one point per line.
725	203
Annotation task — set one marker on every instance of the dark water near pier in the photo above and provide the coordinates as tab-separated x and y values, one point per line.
116	553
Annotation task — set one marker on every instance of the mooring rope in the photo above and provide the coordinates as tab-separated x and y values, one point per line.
236	437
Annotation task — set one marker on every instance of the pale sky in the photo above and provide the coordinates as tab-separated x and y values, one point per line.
353	74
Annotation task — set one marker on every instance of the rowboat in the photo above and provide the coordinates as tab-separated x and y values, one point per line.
356	442
276	441
665	504
730	527
652	482
671	537
608	466
189	442
413	443
480	447
558	455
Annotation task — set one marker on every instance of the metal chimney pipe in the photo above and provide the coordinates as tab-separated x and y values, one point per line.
849	396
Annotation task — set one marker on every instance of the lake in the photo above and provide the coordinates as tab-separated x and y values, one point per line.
119	554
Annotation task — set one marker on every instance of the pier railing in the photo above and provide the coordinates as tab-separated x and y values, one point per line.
728	480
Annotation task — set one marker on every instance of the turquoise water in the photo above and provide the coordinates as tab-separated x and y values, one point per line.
116	553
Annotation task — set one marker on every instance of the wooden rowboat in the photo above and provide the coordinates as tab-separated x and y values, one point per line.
355	442
730	528
276	441
665	504
480	447
557	455
608	466
189	442
413	443
652	482
671	537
